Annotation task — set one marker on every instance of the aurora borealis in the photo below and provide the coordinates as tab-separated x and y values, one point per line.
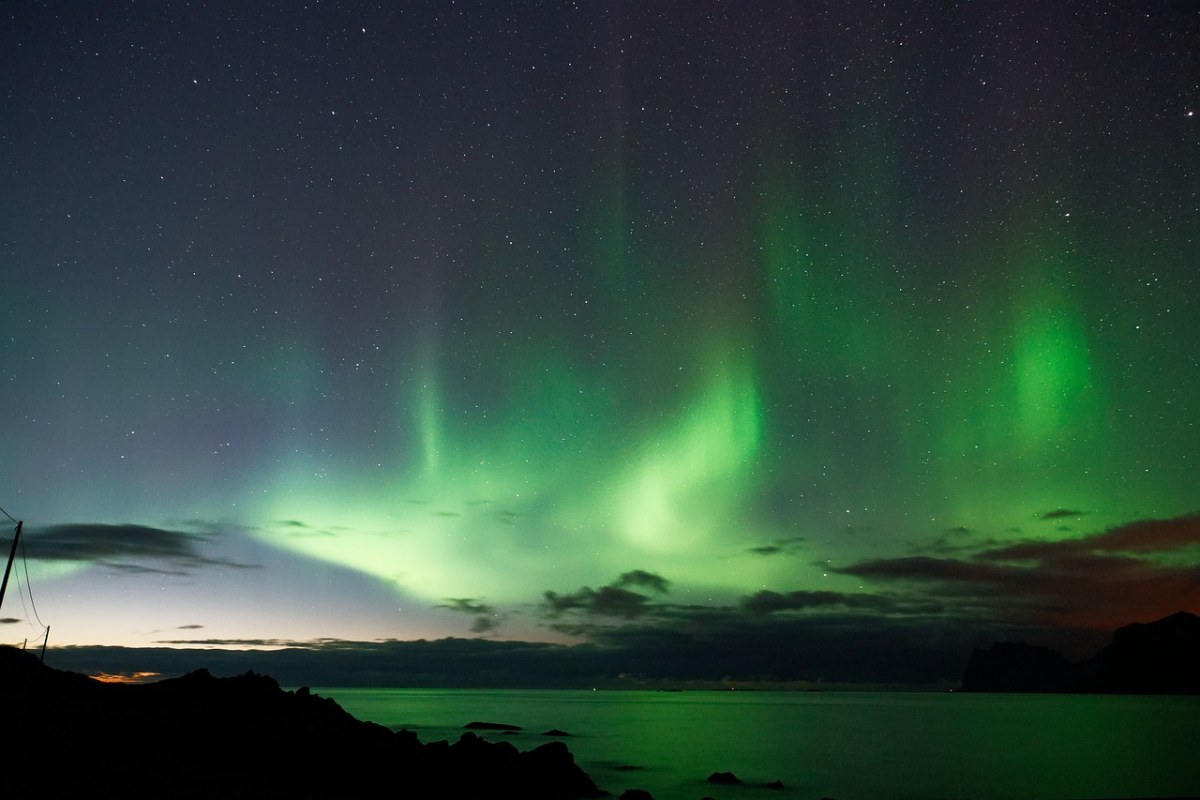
585	322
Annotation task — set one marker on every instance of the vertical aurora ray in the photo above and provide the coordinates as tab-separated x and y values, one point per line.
817	268
988	398
837	348
688	481
1009	408
428	421
1055	385
788	261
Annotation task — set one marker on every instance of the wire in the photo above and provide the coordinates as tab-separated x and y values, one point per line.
24	605
10	516
29	586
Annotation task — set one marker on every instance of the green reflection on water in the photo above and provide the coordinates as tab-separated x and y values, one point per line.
835	744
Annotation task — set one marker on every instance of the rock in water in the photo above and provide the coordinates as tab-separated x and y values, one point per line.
724	778
491	726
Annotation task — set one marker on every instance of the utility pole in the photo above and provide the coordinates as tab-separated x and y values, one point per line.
12	554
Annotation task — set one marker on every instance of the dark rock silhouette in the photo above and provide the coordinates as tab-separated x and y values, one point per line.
724	778
555	732
635	794
1161	657
491	726
1020	667
198	736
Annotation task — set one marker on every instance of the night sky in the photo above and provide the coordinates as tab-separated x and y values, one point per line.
811	337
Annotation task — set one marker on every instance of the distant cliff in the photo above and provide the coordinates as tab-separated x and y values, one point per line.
1161	657
203	737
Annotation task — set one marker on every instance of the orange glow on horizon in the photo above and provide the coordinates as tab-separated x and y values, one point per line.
133	677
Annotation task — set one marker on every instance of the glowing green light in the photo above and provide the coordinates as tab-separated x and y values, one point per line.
693	474
1052	373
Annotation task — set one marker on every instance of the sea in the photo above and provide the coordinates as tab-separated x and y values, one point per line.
842	745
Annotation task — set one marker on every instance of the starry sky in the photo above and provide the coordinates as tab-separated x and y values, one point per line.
810	334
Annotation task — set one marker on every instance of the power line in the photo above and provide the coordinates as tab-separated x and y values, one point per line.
29	585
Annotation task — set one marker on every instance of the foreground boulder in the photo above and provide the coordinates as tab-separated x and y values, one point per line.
204	737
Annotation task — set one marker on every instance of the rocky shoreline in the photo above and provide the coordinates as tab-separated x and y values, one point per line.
199	736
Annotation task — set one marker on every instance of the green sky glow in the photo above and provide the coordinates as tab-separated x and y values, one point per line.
476	313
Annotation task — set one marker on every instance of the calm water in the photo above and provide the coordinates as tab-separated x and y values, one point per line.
846	745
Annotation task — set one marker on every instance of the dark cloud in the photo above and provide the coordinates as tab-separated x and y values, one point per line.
608	601
785	638
778	547
122	547
297	529
917	631
769	602
142	569
639	577
190	627
1060	513
836	648
831	649
555	603
273	643
9	620
467	605
952	543
1102	581
1142	536
486	619
923	568
613	600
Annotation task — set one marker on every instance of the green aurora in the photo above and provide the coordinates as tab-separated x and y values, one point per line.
663	312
